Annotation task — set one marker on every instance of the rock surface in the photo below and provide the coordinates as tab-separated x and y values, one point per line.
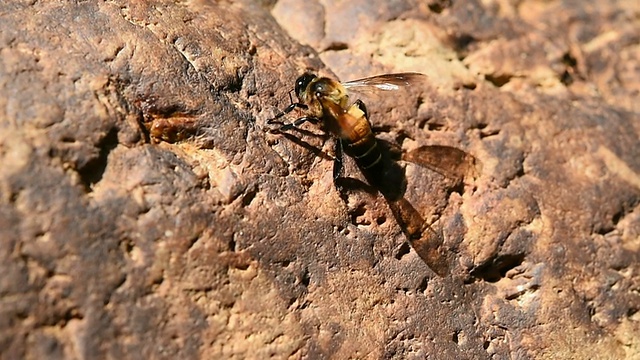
148	210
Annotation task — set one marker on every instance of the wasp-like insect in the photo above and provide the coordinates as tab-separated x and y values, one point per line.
326	102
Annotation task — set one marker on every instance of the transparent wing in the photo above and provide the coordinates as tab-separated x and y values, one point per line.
386	82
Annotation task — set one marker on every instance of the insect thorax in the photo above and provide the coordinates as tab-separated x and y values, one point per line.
330	90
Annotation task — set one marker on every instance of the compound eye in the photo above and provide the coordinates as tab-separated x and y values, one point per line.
303	82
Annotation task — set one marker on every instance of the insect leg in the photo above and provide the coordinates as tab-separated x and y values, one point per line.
286	111
299	122
362	107
337	162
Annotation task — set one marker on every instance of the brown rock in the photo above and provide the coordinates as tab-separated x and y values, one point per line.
147	210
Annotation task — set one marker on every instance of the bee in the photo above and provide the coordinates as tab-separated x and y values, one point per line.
325	102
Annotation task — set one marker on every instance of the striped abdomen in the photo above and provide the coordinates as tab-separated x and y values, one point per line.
364	151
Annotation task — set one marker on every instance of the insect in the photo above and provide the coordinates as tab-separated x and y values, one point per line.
326	102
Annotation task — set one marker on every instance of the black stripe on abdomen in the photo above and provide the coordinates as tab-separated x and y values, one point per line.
365	152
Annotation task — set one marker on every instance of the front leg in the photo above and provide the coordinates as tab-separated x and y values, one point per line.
298	122
286	111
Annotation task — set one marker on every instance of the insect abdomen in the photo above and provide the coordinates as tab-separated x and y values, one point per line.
359	141
365	152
